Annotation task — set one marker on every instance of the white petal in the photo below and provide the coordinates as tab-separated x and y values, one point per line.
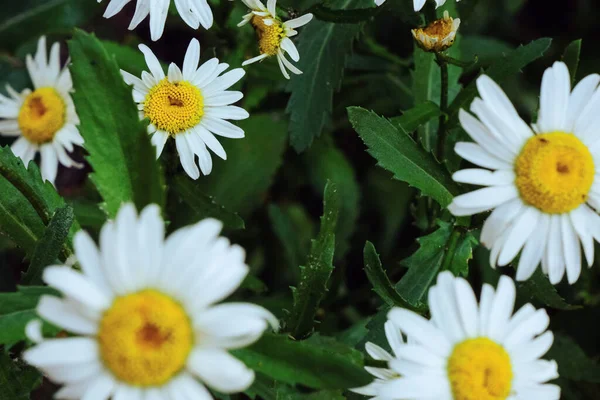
220	370
62	352
554	99
77	286
64	314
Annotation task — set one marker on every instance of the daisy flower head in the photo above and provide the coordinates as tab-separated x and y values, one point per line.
193	12
44	120
438	35
274	34
142	313
190	105
541	181
467	351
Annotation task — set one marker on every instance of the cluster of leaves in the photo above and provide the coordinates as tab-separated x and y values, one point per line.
375	182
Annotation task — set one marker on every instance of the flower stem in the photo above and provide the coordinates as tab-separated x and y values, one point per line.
451	249
441	140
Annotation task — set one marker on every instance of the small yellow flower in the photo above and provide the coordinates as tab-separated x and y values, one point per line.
438	35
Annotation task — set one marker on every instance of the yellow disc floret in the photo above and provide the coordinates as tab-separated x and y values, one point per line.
480	369
42	114
269	36
145	338
555	172
174	107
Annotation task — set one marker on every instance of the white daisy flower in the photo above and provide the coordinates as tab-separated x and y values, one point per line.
542	183
43	120
467	351
418	4
438	35
193	12
273	34
143	314
190	106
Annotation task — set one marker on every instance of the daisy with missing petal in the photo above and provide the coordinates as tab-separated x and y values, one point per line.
273	34
190	105
542	183
193	12
143	314
467	351
43	120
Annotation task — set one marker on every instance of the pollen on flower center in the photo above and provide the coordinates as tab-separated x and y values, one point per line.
174	107
555	172
145	338
480	369
269	36
42	114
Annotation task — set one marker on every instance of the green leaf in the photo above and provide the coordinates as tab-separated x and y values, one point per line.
380	281
573	363
286	393
128	58
319	364
539	288
124	160
239	183
412	119
571	58
204	206
50	245
399	154
325	161
26	202
324	47
41	17
315	275
17	380
17	309
458	264
505	67
424	265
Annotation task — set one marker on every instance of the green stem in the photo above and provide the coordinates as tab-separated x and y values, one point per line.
457	62
452	243
441	140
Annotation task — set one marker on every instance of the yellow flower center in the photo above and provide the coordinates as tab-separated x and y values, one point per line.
480	369
42	114
269	36
145	338
174	107
555	172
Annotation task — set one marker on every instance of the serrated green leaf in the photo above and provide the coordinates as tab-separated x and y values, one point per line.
399	154
17	380
17	309
324	47
49	245
239	183
204	206
506	66
324	161
41	17
539	288
463	253
571	58
124	160
26	202
413	118
424	265
314	277
319	364
380	281
573	363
